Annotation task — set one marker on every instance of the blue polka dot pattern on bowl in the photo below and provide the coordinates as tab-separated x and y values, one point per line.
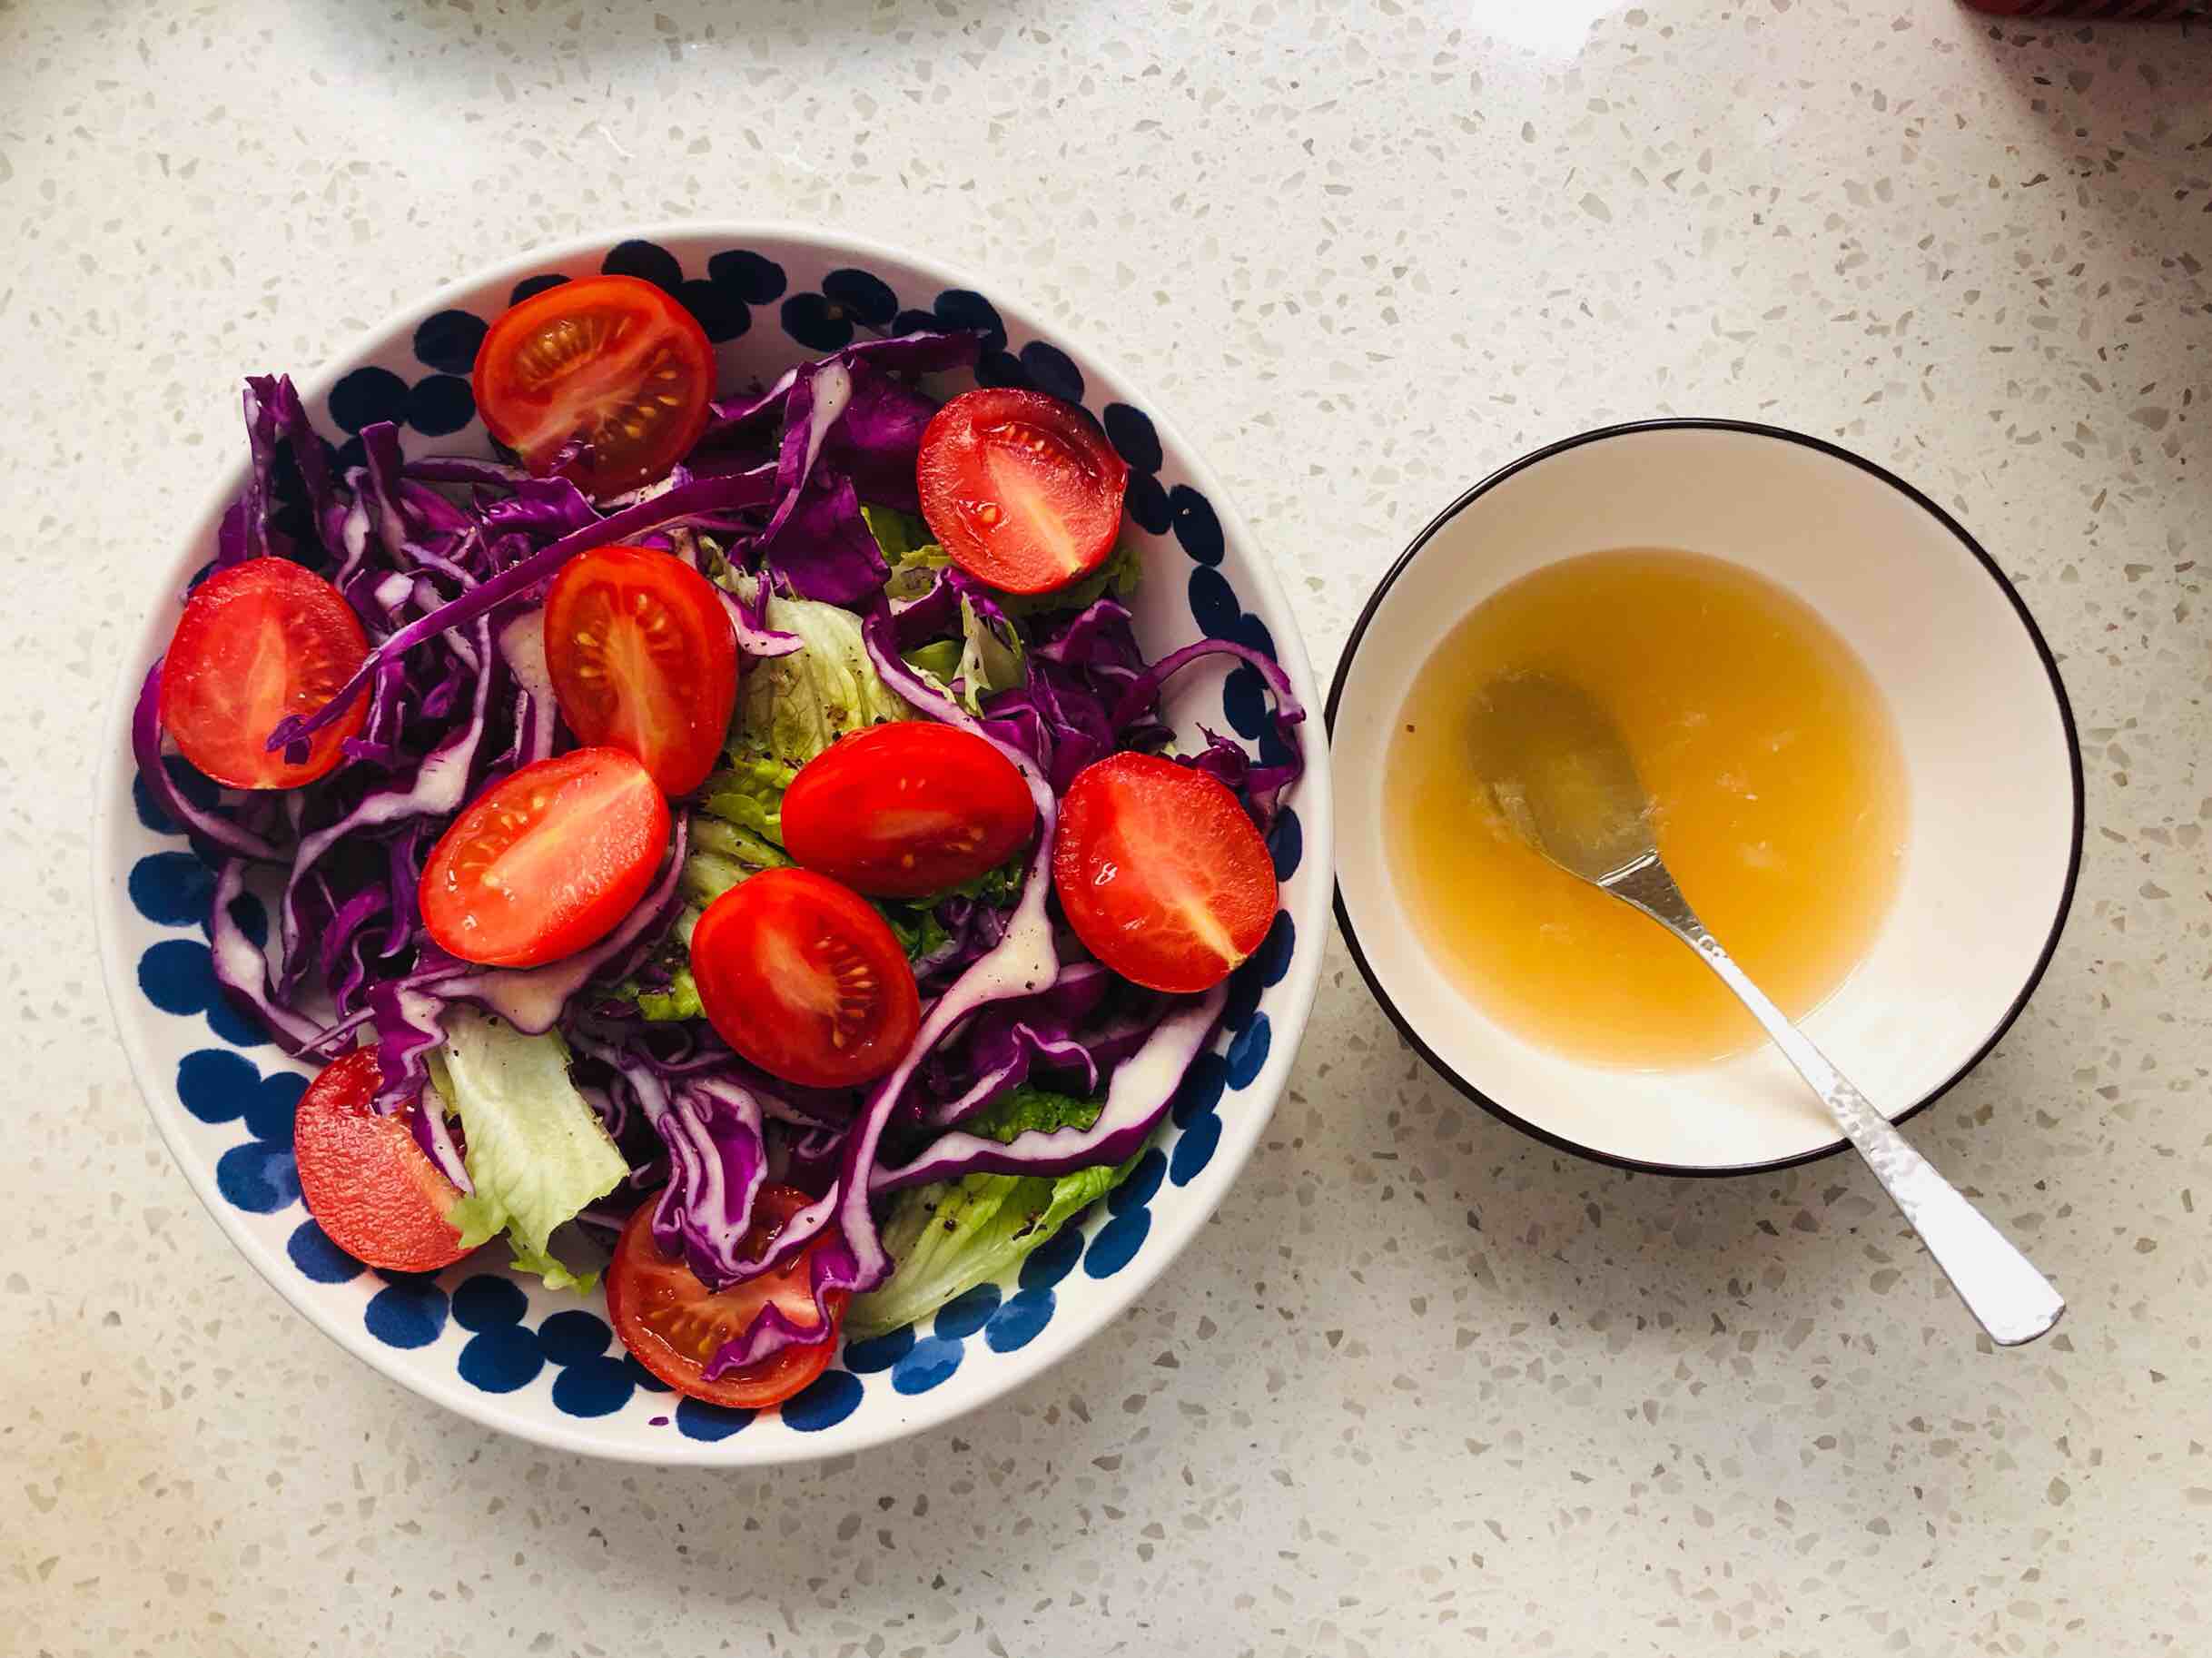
696	1419
1116	1242
172	888
408	1314
828	1400
1016	1323
646	261
446	340
315	1255
926	1365
500	1337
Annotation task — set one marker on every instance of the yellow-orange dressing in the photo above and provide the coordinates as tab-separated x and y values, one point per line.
1780	792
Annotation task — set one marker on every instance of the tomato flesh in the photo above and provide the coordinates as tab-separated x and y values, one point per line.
673	1325
907	809
800	975
366	1182
610	361
259	641
644	659
547	861
1162	872
1020	489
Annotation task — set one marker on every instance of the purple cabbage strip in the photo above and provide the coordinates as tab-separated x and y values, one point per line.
243	970
717	1160
407	1018
1225	760
816	542
822	548
995	1053
439	789
850	1255
464	469
377	484
808	1158
972	928
1143	691
705	495
1099	636
876	443
428	1125
522	647
927	351
280	400
251	538
1262	786
750	623
1143	1089
717	1156
539	509
850	429
204	827
729	415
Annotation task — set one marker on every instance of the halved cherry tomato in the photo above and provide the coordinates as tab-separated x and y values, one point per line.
673	1324
1162	872
804	978
1022	490
644	659
366	1182
904	810
609	361
547	861
258	641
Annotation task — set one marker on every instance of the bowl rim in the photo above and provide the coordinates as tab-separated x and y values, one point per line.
1965	539
921	1414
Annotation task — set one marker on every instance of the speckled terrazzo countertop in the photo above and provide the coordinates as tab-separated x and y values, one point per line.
1423	1385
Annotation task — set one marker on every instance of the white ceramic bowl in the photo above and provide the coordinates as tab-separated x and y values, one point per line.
1993	767
504	1351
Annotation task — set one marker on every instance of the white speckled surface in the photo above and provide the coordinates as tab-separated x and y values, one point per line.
1422	1383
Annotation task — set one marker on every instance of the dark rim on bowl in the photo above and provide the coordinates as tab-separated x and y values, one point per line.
2004	585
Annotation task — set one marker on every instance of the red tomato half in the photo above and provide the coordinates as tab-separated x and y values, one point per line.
805	979
258	641
644	659
366	1182
673	1324
1162	872
609	361
547	861
907	809
1022	489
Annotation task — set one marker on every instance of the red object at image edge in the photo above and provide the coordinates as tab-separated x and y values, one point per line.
2140	11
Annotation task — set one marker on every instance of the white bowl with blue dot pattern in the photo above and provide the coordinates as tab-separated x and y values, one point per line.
501	1349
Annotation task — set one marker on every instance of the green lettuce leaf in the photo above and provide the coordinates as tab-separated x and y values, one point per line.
915	925
991	660
671	962
790	708
750	793
950	1237
939	659
914	558
536	1153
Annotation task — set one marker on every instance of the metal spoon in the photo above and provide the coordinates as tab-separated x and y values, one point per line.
1559	770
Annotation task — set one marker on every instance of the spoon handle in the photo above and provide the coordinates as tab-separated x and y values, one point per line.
1999	1285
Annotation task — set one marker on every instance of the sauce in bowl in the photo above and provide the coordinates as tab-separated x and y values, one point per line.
1780	792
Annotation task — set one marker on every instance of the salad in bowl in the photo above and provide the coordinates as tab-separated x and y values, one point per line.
726	846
